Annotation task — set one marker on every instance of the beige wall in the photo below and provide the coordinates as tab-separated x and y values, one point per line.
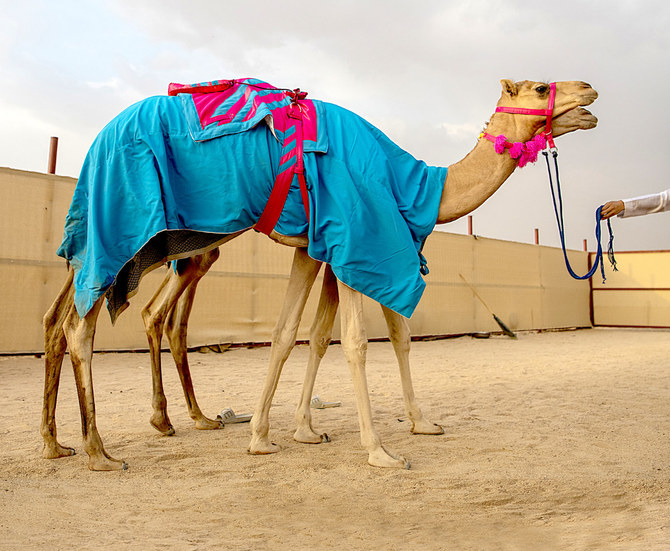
239	300
638	294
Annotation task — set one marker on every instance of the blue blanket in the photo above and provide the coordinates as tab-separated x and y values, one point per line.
149	192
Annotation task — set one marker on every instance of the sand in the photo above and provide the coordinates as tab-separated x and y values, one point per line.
557	440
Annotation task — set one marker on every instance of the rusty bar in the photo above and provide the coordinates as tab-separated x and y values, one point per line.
537	236
586	246
470	225
53	154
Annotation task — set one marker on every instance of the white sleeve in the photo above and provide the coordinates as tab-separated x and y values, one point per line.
646	204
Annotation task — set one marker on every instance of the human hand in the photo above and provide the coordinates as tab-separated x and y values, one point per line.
611	208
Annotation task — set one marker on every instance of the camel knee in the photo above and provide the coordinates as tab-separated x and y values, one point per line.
54	337
355	347
284	338
319	344
401	340
154	321
283	341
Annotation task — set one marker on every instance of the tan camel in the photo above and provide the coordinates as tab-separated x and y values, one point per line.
469	183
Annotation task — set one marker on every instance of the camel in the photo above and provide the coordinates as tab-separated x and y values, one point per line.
467	185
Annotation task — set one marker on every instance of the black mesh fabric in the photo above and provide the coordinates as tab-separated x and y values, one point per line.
169	244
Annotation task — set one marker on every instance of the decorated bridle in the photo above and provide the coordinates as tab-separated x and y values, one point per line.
527	152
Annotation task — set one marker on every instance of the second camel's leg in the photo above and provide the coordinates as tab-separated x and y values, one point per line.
400	337
303	274
354	345
80	333
319	339
55	345
176	332
155	315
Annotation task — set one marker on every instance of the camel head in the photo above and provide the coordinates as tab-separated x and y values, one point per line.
535	95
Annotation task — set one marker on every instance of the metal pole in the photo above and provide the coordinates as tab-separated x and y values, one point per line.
470	225
53	153
537	236
586	246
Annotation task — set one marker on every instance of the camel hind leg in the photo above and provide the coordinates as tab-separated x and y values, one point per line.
173	300
319	339
399	335
80	334
176	332
354	346
55	346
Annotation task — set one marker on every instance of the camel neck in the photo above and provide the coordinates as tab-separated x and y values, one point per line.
476	177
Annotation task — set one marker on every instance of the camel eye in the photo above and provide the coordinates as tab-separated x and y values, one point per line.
542	89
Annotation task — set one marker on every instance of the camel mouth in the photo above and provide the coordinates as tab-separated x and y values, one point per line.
583	117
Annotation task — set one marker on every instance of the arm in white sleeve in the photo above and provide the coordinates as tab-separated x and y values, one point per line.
646	204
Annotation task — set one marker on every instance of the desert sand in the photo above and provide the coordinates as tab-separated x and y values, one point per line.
557	440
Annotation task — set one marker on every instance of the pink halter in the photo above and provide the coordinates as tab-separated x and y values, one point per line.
527	152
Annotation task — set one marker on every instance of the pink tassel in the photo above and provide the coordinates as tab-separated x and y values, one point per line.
499	144
533	148
525	152
516	150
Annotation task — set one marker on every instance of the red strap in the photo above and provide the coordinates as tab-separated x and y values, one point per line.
296	114
275	205
550	110
268	220
522	111
216	86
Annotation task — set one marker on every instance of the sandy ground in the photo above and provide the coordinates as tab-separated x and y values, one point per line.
554	441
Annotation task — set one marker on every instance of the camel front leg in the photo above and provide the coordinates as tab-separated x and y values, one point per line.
303	274
320	336
400	337
155	315
355	345
55	345
79	334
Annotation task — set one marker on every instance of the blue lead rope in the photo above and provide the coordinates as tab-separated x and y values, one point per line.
558	210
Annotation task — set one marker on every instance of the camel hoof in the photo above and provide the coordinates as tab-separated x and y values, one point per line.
381	457
57	451
310	437
204	423
162	426
106	463
426	427
262	446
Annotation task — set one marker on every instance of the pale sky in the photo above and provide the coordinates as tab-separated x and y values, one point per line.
426	72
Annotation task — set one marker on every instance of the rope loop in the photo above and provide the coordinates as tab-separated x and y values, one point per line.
558	211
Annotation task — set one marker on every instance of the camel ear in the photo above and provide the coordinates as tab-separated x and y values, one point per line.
509	87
